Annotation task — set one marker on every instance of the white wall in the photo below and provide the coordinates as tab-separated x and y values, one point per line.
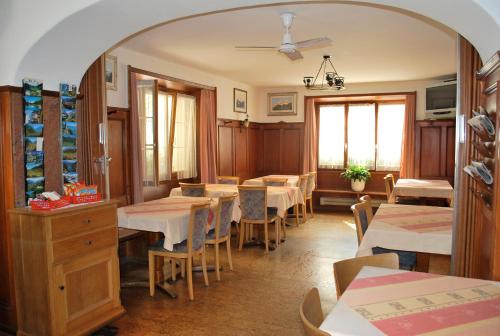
357	88
125	57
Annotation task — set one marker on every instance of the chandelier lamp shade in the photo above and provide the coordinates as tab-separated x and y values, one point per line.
329	80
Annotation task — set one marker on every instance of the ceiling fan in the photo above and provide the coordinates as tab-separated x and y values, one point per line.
287	47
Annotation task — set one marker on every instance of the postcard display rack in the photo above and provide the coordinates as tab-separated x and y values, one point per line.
482	169
33	137
67	93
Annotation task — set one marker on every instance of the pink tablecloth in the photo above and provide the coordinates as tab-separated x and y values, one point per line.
423	188
292	180
409	228
381	301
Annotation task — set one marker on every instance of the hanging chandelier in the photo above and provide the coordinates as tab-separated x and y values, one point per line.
330	80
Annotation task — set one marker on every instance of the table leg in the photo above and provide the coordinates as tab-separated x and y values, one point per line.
422	262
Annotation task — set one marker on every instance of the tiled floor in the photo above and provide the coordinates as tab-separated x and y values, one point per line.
260	297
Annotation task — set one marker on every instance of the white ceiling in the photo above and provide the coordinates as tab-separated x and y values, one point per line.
370	44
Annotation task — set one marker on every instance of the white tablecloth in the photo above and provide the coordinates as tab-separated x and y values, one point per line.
409	228
293	180
383	301
424	188
281	198
167	215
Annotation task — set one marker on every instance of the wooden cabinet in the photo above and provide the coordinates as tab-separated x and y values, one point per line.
66	269
435	149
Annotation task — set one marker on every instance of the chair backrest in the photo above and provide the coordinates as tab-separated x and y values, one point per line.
228	180
311	184
311	314
197	226
345	271
253	202
224	215
389	185
193	189
303	184
363	215
274	181
367	199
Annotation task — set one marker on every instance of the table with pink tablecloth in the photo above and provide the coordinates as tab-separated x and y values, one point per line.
382	301
423	188
292	180
414	228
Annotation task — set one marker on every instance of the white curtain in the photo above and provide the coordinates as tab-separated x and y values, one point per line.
145	109
164	123
184	147
331	137
390	136
361	135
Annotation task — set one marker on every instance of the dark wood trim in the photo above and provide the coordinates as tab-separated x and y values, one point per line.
169	78
489	67
19	89
361	95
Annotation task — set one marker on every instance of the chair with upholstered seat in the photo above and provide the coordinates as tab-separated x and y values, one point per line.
345	271
301	208
222	231
311	314
254	210
193	189
311	185
363	215
274	181
193	246
228	180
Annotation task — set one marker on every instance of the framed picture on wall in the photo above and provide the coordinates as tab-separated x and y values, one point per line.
110	72
240	101
279	104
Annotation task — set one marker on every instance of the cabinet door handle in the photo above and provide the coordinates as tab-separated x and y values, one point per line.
61	287
87	221
89	242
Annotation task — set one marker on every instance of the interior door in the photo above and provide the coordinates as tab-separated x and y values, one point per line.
119	165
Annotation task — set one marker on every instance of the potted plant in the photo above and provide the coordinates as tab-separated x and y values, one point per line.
358	175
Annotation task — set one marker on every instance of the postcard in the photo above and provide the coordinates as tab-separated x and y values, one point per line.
68	114
34	157
69	166
33	115
32	144
66	89
34	169
69	153
34	186
69	128
68	140
32	87
70	177
33	130
33	102
68	102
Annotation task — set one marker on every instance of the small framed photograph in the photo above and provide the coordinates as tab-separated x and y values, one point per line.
110	72
282	103
240	101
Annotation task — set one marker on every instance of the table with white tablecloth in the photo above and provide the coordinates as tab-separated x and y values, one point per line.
381	301
281	198
423	189
169	216
292	180
413	228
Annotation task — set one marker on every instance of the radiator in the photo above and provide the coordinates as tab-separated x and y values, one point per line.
346	201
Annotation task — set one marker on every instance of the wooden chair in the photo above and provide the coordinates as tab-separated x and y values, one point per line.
193	189
254	210
311	185
311	314
363	215
274	181
302	207
345	271
228	180
194	245
389	187
367	199
222	231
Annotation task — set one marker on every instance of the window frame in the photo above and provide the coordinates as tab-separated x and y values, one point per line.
346	103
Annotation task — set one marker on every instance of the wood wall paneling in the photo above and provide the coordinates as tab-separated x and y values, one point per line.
241	147
272	151
291	162
225	148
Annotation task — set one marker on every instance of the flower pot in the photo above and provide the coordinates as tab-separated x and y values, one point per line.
357	185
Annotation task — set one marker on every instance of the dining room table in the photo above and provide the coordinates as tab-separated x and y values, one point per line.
382	301
416	228
169	216
292	180
422	189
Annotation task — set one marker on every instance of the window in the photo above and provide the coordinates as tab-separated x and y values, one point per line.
169	135
368	134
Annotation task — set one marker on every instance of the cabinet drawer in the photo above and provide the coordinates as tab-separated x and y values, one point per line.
85	244
76	223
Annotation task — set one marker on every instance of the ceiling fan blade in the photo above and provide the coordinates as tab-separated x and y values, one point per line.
254	47
313	43
294	56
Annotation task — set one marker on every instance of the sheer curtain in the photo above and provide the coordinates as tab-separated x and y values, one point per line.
361	135
184	147
331	137
165	102
390	136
